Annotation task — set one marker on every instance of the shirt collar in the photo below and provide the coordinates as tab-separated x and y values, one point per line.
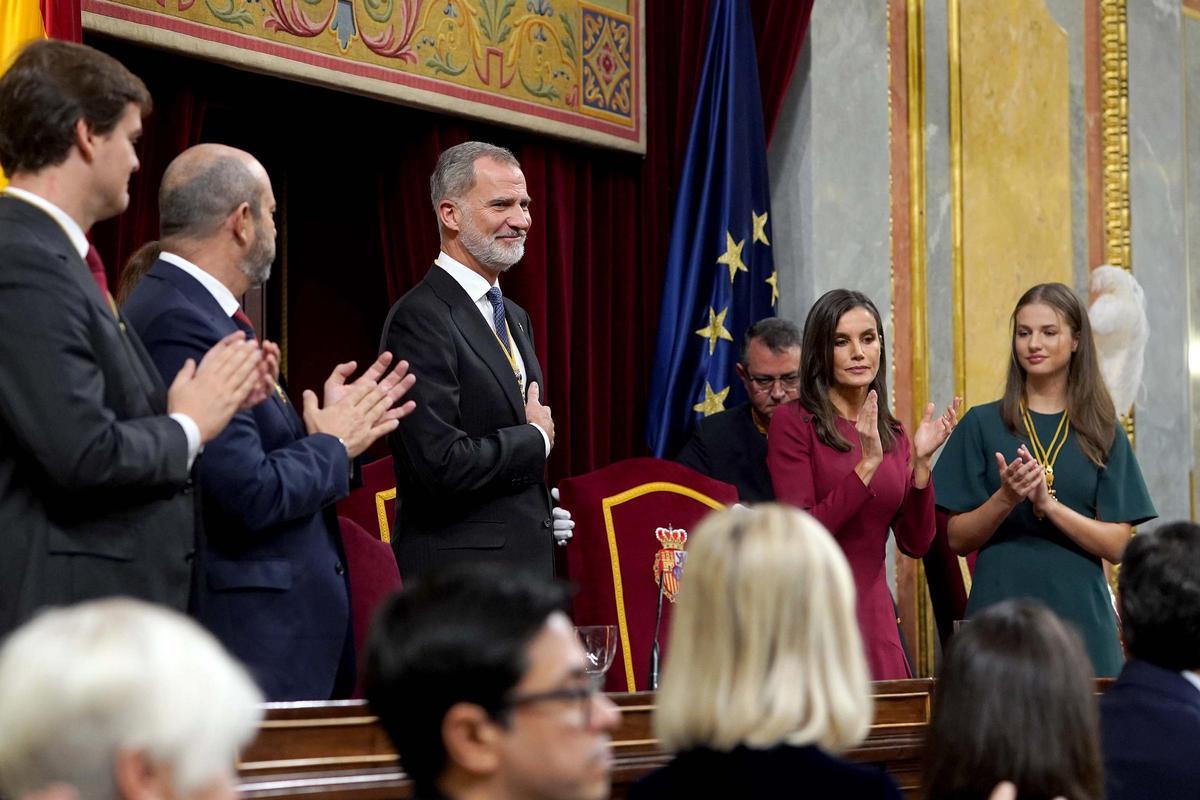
70	227
475	285
1193	678
218	290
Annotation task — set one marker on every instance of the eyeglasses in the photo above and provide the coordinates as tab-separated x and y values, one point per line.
761	384
582	696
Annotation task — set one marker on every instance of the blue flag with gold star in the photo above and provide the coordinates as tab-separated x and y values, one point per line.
720	272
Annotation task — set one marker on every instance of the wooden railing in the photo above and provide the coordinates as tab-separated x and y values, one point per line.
337	750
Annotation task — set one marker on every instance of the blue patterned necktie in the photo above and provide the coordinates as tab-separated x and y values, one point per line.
497	301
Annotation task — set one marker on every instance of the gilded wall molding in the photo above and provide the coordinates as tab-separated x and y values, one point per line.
957	276
918	296
1114	135
1114	131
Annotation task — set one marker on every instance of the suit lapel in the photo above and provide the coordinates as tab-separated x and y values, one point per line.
524	341
223	325
58	243
479	336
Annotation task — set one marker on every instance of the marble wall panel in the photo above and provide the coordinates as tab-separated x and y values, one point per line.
1016	172
1156	184
829	162
938	222
1191	48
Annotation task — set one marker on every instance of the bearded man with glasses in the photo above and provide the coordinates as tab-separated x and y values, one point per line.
480	681
731	446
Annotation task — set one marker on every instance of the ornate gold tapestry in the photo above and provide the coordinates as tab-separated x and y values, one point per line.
565	68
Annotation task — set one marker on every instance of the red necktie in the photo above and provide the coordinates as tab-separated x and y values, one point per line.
243	322
97	267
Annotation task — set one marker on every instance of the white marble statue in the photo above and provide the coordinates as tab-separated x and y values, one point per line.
1120	327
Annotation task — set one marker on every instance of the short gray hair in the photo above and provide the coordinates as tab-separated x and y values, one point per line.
79	685
454	174
196	204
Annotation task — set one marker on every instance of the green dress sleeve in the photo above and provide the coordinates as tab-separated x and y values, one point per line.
960	475
1121	494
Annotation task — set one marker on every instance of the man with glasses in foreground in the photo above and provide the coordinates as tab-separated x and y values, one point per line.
480	681
731	446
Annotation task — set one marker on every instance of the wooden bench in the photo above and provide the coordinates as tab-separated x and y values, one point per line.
337	750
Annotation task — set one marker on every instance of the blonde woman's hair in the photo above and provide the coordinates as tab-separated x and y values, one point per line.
764	646
80	684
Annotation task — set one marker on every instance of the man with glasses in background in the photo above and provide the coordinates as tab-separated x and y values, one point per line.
481	683
731	446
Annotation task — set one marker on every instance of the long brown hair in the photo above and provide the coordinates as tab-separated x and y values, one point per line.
816	367
1014	702
1093	417
136	268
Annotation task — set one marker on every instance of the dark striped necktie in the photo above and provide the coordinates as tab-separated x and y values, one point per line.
498	319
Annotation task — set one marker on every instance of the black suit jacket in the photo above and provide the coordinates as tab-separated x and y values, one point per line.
727	446
274	585
781	771
1150	725
94	483
470	470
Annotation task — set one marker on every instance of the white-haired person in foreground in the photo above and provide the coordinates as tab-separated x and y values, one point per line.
765	679
120	700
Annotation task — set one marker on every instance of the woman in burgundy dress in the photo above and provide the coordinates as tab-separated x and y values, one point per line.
839	454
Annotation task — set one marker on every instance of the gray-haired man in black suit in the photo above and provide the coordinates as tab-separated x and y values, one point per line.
470	461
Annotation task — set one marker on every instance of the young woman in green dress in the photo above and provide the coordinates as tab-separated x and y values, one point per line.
1043	482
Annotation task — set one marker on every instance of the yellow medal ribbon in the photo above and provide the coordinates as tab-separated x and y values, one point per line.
511	356
1047	456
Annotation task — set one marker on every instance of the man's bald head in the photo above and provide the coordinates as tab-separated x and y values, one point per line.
204	185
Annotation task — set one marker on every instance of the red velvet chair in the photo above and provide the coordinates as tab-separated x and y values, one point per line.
373	505
612	556
373	576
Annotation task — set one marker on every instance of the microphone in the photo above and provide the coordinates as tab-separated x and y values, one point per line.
654	649
668	567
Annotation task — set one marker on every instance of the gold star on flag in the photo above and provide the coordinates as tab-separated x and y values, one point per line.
715	329
760	227
713	401
732	257
773	282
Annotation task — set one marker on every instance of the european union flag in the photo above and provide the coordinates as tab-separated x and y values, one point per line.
720	273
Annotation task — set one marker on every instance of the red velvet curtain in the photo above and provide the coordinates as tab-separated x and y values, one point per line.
357	228
779	32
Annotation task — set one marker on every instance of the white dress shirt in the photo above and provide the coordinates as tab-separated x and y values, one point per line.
79	241
1192	678
476	286
220	292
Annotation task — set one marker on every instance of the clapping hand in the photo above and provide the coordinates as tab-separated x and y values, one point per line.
268	377
359	413
1020	478
1008	791
932	434
1039	495
868	429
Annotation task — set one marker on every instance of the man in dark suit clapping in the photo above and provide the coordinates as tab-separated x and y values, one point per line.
95	452
275	585
470	462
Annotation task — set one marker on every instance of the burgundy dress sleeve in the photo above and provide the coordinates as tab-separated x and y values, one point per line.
793	455
914	523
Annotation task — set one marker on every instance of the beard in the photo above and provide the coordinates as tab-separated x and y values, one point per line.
257	264
495	254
